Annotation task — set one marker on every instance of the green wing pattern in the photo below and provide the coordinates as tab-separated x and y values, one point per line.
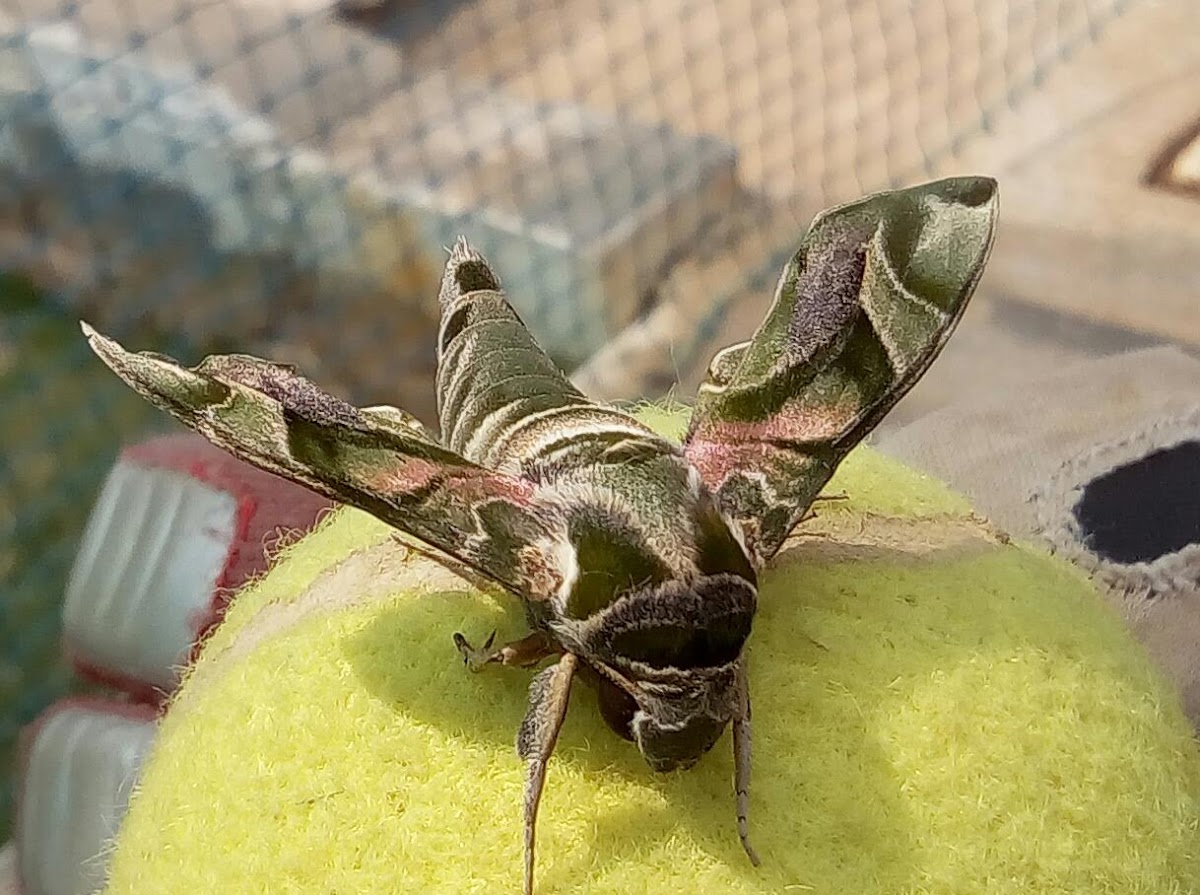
860	312
378	459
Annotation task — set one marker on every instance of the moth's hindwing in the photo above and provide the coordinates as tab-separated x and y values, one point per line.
860	312
378	459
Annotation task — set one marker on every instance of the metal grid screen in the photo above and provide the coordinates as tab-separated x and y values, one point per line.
278	177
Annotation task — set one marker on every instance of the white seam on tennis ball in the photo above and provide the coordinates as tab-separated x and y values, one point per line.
846	536
378	571
365	576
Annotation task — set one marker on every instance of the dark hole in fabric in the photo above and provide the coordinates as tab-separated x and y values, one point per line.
1145	509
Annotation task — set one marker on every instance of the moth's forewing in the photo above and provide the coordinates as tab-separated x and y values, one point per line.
378	459
860	312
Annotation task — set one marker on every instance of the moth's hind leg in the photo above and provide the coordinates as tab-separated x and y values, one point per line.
523	653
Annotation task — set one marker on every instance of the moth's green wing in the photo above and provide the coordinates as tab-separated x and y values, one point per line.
860	312
378	459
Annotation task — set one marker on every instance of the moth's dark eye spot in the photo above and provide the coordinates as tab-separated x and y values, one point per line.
667	749
1145	509
473	276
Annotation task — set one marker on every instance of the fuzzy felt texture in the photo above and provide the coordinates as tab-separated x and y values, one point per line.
936	711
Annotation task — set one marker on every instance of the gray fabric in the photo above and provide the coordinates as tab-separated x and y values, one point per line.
1023	455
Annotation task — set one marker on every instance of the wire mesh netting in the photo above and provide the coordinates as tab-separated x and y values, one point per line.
279	176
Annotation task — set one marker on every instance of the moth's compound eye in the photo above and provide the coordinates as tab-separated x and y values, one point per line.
617	708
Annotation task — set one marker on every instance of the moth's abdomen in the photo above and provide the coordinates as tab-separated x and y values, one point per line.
501	401
491	376
491	372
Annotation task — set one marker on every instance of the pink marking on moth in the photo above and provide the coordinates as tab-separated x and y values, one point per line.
414	473
714	459
809	422
410	474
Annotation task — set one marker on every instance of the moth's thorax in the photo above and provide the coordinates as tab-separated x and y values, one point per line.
640	522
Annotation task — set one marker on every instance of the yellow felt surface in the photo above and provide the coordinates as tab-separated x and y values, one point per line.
954	720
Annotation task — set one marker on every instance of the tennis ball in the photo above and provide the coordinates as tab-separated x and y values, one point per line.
936	710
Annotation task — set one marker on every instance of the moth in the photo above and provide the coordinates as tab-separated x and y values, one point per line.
636	558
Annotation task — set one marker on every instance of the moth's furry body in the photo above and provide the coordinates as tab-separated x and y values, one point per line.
636	558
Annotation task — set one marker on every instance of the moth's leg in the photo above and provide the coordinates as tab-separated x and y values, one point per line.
452	564
548	697
523	653
741	766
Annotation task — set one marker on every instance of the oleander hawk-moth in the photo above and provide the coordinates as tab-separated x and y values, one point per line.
636	558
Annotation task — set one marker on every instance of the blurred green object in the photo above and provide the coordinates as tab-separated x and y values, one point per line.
62	421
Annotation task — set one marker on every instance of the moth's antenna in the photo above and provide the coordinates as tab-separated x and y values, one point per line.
741	765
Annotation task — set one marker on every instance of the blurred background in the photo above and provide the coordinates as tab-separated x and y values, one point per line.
280	176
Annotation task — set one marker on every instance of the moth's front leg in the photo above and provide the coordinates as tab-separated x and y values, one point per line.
523	653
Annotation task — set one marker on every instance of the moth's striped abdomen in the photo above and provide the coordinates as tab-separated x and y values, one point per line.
501	401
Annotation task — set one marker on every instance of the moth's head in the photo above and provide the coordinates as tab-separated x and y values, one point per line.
673	727
667	658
